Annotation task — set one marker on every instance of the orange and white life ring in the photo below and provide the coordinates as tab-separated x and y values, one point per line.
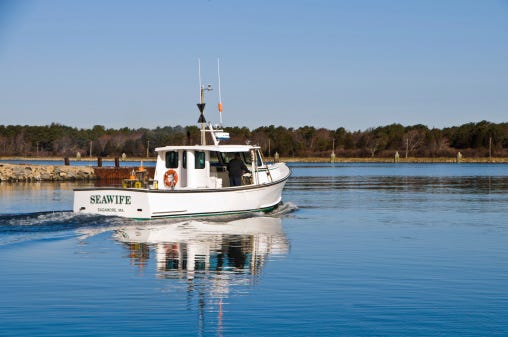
170	178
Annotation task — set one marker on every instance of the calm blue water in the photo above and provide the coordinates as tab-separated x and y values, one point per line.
357	250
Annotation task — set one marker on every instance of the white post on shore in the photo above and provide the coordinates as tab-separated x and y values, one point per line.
490	149
332	155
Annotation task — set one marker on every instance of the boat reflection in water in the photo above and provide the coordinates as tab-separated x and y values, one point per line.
211	260
223	253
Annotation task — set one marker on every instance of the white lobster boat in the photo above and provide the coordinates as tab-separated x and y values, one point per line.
191	181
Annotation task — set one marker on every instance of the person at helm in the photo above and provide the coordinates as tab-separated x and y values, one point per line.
236	168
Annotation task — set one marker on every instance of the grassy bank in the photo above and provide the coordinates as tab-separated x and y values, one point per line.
391	160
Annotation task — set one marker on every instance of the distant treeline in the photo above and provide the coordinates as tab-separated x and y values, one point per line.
472	140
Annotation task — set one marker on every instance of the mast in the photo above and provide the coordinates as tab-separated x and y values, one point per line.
217	134
202	120
220	97
201	105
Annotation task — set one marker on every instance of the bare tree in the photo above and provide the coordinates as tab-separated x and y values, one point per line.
413	139
374	143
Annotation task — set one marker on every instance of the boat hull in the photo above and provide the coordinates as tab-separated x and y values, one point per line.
153	204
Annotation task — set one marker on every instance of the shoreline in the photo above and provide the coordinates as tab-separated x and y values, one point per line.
74	160
33	172
94	160
438	160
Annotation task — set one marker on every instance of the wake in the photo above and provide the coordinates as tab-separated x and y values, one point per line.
51	221
283	209
18	227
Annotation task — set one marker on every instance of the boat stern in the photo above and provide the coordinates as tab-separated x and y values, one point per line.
112	202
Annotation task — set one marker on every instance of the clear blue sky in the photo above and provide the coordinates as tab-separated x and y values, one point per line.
326	63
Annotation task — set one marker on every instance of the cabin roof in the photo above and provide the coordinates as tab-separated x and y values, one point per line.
218	148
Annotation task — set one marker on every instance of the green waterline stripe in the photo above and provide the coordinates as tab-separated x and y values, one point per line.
194	215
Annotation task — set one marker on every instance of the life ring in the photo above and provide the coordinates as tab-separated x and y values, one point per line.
170	178
138	184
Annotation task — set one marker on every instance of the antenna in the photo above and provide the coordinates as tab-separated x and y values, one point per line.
220	97
199	74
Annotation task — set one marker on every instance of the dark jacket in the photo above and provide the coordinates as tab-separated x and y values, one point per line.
236	167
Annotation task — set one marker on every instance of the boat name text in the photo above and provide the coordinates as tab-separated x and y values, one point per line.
110	199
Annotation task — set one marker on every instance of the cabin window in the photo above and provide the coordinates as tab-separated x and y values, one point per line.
171	159
184	159
246	157
199	160
214	158
228	156
259	159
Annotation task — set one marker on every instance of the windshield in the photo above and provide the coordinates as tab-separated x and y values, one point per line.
227	156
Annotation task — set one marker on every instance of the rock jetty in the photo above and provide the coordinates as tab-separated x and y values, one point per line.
33	173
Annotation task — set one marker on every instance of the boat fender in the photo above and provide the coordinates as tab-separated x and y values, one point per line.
170	178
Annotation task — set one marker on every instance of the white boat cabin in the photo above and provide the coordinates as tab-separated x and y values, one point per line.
205	166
